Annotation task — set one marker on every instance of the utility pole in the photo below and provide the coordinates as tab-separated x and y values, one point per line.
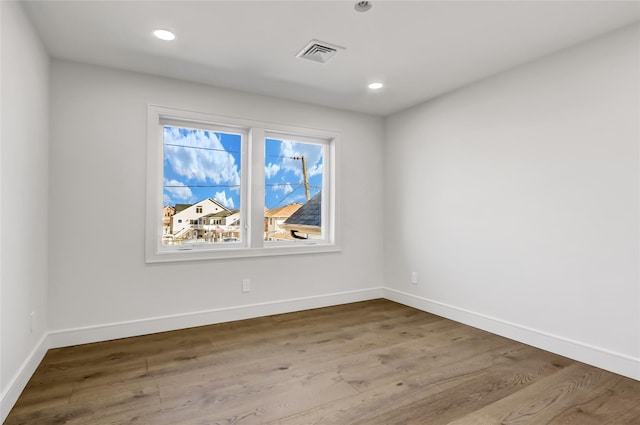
304	175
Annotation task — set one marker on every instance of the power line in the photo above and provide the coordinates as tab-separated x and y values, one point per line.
237	185
286	196
298	186
200	147
280	156
203	185
289	184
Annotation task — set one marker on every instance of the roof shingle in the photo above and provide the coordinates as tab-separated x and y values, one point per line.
309	214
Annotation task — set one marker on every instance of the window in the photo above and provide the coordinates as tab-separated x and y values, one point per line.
237	187
201	171
294	180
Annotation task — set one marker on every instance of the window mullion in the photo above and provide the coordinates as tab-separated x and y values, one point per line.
256	187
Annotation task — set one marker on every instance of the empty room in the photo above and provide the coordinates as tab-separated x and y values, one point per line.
320	212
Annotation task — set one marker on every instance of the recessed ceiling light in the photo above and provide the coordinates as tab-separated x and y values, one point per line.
375	86
164	35
362	6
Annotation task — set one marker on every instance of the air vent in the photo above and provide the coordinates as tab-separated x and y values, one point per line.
319	51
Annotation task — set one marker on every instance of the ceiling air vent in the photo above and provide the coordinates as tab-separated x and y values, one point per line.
319	51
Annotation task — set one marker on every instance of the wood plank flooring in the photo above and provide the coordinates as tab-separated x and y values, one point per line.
373	363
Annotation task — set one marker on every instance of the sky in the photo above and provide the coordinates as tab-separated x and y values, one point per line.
283	174
200	164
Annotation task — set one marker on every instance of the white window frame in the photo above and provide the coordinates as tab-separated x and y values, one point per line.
326	182
252	242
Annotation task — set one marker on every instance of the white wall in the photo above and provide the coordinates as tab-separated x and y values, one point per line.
516	201
24	200
98	275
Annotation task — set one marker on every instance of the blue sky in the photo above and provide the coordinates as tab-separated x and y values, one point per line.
283	174
200	164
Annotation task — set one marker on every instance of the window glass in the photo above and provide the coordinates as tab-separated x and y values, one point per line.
201	182
294	176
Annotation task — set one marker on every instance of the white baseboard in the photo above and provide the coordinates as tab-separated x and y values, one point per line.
595	356
605	359
21	378
104	332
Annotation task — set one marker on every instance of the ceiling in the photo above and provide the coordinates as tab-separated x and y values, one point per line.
419	49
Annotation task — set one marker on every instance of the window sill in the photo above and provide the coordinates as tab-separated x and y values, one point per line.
241	252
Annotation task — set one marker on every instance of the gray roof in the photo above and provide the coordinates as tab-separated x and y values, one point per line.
222	214
181	207
309	214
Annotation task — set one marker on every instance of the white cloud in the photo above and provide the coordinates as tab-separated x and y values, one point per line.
177	190
271	170
315	170
222	198
211	162
285	188
166	199
311	152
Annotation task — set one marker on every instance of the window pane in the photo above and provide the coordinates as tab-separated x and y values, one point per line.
201	186
293	189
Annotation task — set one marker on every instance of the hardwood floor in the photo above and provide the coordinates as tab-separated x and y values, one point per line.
375	362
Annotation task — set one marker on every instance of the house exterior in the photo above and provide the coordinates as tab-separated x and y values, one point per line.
273	220
306	222
220	226
200	220
167	212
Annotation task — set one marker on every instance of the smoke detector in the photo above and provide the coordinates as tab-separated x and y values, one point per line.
362	6
319	51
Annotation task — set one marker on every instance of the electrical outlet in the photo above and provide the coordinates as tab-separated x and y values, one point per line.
246	285
32	321
414	278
